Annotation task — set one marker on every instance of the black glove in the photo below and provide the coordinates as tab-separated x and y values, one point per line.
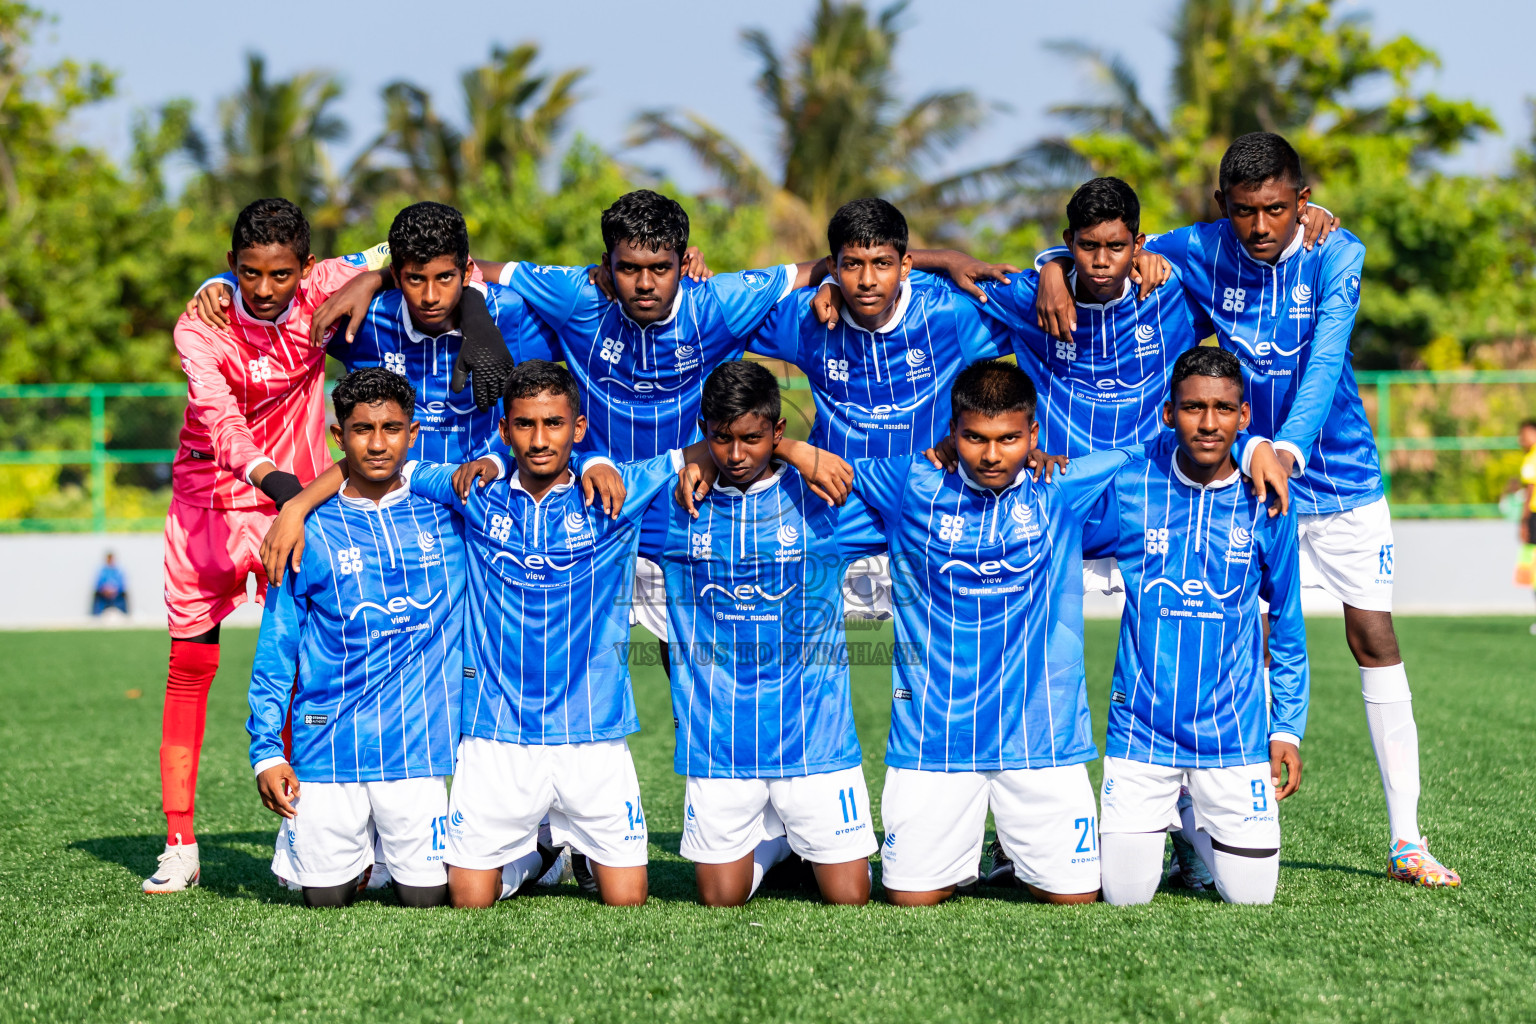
280	486
483	353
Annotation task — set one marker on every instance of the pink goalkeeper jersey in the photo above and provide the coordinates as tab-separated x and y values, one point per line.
255	392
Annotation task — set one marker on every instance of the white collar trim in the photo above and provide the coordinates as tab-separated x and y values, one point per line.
246	315
758	486
410	326
394	497
1125	293
517	485
1290	250
677	304
1214	485
969	481
902	302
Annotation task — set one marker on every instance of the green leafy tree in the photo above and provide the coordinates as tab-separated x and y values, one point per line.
842	131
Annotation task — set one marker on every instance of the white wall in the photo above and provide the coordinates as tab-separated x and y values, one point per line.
1444	567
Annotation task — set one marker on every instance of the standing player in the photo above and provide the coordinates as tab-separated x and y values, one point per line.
1286	311
371	630
253	436
1187	707
760	691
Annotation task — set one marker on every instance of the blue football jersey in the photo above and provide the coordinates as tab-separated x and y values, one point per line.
1105	388
368	638
988	593
641	385
550	585
1290	324
882	393
760	683
452	429
1189	676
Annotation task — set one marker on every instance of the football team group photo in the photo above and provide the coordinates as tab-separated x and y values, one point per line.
853	574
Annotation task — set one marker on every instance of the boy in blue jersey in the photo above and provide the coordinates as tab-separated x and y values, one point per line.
1187	707
760	689
1287	311
547	699
367	641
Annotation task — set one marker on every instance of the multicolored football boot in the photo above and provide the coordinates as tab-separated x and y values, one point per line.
1413	863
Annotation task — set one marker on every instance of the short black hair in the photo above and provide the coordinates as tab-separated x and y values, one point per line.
1205	361
741	388
271	222
533	377
370	386
1104	199
646	219
422	232
867	222
991	387
1527	423
1258	157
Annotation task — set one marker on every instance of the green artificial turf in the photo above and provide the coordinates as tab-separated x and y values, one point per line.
80	826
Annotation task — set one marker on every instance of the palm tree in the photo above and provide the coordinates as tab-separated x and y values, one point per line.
842	131
1243	66
511	114
273	137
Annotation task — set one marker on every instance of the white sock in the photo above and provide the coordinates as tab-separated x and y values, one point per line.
1395	737
1242	879
519	871
768	853
1130	866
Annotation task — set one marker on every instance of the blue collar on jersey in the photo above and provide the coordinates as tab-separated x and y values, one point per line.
757	486
513	483
890	325
965	478
410	325
1125	293
1214	485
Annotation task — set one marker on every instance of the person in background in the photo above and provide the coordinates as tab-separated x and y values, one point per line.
112	590
1525	568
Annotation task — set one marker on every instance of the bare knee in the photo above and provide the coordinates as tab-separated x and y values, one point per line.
846	884
473	888
920	898
1063	899
1372	640
621	887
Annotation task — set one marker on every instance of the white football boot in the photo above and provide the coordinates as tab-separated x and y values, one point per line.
177	870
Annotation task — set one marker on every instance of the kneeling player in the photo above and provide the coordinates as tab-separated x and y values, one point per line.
1188	705
371	625
548	702
760	691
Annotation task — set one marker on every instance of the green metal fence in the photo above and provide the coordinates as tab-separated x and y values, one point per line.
100	457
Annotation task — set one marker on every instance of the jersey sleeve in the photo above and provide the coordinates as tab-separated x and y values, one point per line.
746	297
1101	525
433	481
881	484
277	660
329	275
778	336
1087	478
654	524
1280	585
646	482
551	292
859	530
1330	347
212	400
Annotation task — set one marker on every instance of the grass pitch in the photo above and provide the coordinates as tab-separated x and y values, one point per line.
80	826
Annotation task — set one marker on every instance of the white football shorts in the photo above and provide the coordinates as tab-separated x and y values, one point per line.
501	791
330	839
867	588
649	604
1349	555
1234	805
1103	575
824	816
935	823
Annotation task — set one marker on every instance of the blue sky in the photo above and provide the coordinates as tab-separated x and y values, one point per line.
168	48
